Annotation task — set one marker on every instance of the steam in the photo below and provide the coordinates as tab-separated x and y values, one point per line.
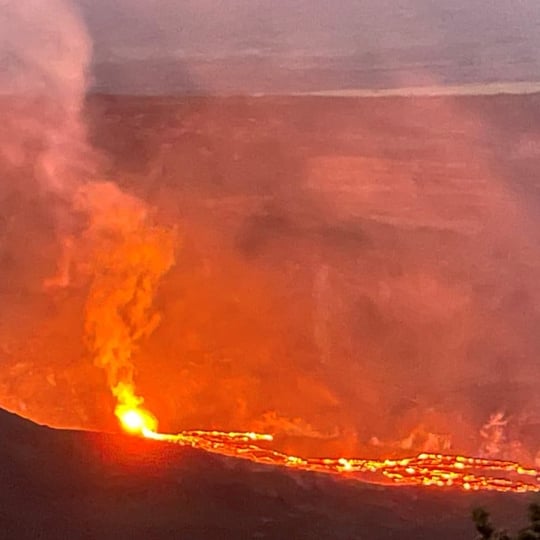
108	237
493	435
44	54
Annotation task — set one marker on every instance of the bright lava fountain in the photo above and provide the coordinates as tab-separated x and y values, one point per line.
438	470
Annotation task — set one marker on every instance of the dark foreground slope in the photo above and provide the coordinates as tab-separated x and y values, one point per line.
66	484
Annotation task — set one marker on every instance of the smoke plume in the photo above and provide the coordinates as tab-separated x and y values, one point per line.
44	54
108	239
129	255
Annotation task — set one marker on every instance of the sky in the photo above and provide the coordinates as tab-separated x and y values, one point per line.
168	46
310	26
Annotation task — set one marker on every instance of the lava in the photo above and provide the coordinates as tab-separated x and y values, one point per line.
430	470
137	421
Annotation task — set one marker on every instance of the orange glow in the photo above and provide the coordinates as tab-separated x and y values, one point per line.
137	421
429	470
130	254
132	421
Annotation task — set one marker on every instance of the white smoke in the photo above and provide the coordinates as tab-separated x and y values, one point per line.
493	434
44	53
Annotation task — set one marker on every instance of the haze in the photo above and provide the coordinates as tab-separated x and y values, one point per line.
285	46
362	272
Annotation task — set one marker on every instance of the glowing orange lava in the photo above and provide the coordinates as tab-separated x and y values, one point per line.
136	420
433	470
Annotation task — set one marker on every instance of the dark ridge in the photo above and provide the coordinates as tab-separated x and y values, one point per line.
69	484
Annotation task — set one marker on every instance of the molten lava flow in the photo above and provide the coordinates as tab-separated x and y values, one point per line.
466	473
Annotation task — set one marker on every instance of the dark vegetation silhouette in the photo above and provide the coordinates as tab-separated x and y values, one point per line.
487	531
